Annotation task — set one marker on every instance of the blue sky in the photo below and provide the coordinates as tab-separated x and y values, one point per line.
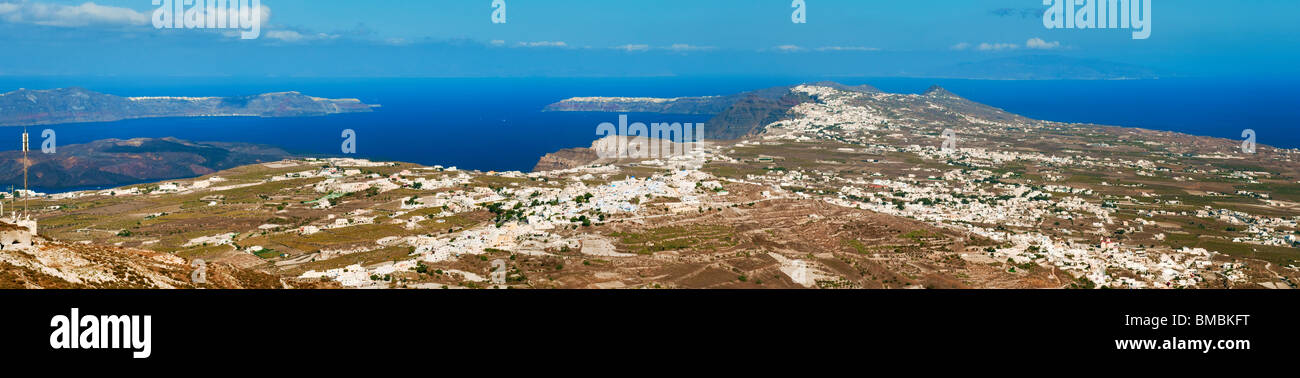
643	38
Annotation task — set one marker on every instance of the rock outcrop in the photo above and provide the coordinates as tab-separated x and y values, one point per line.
566	159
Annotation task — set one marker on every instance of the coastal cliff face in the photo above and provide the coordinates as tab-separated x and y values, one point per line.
607	150
680	105
566	159
734	116
26	107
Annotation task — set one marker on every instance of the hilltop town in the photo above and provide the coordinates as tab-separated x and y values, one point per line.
847	188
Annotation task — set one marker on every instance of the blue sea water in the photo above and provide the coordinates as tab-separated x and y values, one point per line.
498	123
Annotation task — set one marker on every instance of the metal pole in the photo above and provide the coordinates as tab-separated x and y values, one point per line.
25	164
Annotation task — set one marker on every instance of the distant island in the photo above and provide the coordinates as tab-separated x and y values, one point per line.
734	116
25	107
678	105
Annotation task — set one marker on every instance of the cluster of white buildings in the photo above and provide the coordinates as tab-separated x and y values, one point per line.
361	277
837	108
212	240
1258	229
1102	264
557	200
970	200
966	207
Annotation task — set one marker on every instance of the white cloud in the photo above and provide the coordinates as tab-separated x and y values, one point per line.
543	44
676	47
285	35
93	15
498	42
847	48
265	15
295	36
682	47
1039	43
633	48
788	48
86	14
997	46
1032	43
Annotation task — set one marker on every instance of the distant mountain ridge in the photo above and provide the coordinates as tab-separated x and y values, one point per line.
749	113
735	115
25	107
683	105
745	114
113	162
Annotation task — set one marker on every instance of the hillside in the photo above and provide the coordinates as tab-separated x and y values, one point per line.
55	265
115	162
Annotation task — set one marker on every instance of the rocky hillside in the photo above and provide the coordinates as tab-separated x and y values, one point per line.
565	159
55	265
114	162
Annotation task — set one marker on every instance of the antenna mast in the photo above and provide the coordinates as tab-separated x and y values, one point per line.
25	164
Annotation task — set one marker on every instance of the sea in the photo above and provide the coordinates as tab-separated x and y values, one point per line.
497	124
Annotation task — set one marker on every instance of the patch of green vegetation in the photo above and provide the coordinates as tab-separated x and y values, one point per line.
498	182
459	220
732	171
1082	283
857	246
640	171
672	238
428	212
1079	177
338	237
1200	201
920	235
253	194
267	253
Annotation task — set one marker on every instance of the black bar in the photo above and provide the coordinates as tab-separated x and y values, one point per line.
195	327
